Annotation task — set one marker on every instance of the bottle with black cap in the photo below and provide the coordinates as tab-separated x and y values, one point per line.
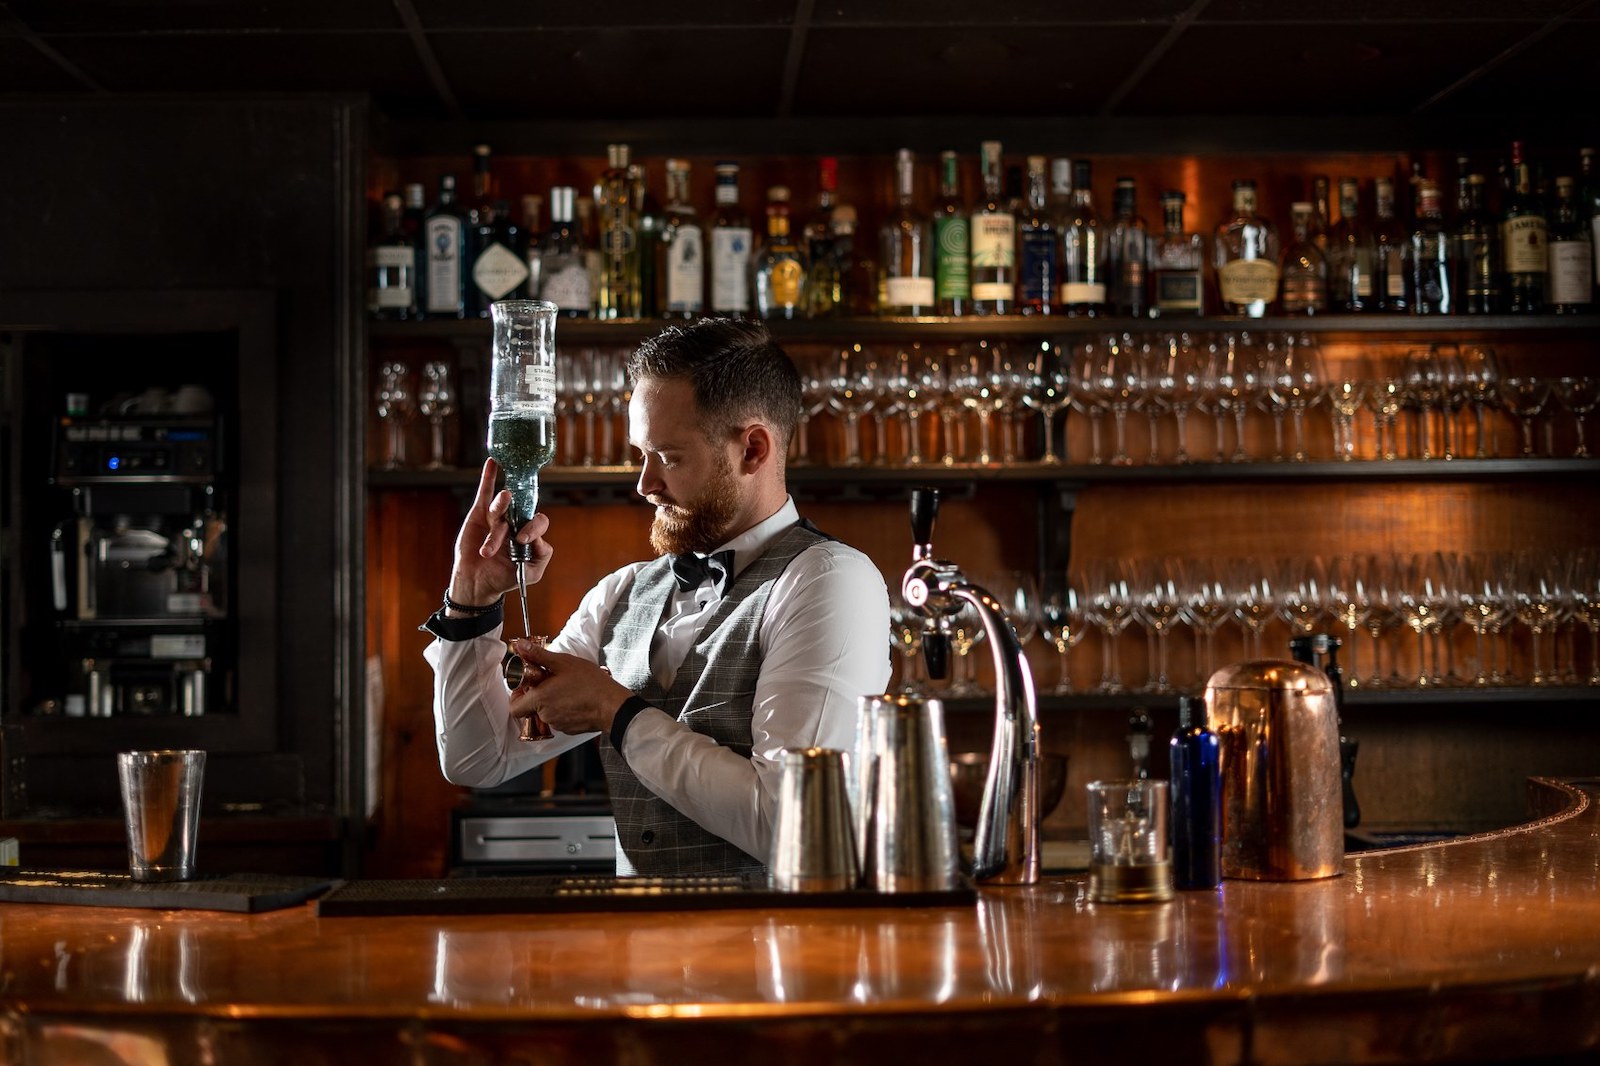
1196	798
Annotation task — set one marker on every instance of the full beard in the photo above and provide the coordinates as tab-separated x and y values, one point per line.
701	524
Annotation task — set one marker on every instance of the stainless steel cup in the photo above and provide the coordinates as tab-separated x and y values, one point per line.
161	810
813	841
907	808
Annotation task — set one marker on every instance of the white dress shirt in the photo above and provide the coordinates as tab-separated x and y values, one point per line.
825	643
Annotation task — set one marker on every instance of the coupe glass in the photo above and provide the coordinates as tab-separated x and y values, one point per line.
1525	398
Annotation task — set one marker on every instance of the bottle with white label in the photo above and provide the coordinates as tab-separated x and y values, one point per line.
682	249
391	267
731	240
907	245
1246	255
498	244
994	243
1571	254
563	272
442	252
1083	249
1523	231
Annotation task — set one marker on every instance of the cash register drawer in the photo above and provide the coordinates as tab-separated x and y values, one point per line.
562	838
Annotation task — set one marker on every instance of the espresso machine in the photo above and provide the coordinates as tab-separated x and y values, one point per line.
140	562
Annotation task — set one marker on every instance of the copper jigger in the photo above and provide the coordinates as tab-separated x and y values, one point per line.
513	669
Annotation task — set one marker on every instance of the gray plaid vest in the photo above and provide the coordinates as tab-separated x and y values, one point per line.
713	693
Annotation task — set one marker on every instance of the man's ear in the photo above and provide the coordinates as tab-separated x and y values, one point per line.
756	447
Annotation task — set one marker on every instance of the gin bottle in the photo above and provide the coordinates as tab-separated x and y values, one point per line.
391	267
683	254
907	248
498	248
731	240
1039	247
1246	255
442	281
994	243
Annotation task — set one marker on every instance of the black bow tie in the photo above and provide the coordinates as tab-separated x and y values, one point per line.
691	570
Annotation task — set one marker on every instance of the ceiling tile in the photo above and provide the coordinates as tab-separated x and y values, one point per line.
499	15
561	75
927	14
165	16
993	71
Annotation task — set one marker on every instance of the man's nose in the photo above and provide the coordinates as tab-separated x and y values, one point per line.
649	478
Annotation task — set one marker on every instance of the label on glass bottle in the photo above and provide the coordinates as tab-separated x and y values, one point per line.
1525	245
390	268
1083	292
498	271
539	389
1247	281
1038	271
1479	268
787	275
909	292
686	271
442	239
1395	283
952	248
1571	273
566	282
730	263
1177	292
994	243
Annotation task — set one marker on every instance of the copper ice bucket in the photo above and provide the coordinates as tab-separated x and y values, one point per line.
1282	805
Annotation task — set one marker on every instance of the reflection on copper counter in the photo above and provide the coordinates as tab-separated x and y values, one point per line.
1485	947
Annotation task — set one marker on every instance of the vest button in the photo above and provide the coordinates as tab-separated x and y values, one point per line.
647	836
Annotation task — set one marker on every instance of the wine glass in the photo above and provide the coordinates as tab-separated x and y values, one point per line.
1422	379
1346	392
1578	395
1384	398
1453	393
1049	379
1255	599
1086	393
853	393
1525	398
436	401
905	640
1062	619
1178	373
980	382
394	400
1535	596
1350	604
1304	594
815	390
966	633
1585	591
1018	594
1482	595
1111	601
1120	383
1481	382
1294	379
1159	607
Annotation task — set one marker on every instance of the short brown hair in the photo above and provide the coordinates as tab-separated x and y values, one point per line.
738	372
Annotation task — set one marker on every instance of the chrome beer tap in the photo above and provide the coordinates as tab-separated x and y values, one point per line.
1006	848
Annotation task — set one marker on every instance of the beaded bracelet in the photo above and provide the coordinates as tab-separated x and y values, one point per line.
462	608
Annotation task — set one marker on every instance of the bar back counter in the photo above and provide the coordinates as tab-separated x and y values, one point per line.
1486	948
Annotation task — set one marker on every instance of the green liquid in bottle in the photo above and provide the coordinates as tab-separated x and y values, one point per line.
522	444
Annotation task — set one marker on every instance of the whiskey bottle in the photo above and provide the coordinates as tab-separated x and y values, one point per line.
1321	219
778	270
731	240
1571	253
1127	253
857	272
1177	264
563	272
391	266
952	242
1350	254
618	296
1038	247
1246	256
1476	241
1524	237
907	248
1304	270
1431	264
442	281
994	243
651	224
1389	249
683	252
1083	250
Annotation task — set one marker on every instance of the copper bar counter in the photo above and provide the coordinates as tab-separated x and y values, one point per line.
1483	948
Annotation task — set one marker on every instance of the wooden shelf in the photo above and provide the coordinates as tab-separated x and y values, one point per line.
1465	696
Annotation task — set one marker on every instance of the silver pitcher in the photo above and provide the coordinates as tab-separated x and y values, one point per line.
905	808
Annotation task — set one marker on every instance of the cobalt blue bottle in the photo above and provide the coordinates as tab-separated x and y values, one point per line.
1196	798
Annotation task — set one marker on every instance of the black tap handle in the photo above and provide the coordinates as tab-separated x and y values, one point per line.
924	509
936	653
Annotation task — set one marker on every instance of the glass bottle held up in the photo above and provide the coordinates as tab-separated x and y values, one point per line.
522	418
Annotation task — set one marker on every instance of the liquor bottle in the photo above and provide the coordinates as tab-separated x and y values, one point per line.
1177	264
651	224
907	248
857	272
1350	254
392	266
952	242
1523	243
593	263
1245	252
1038	247
1195	758
499	246
1304	270
416	207
778	270
563	272
731	239
1571	253
618	296
1589	201
1016	196
817	237
1431	262
683	249
1389	247
1127	253
1321	219
994	243
1476	240
533	236
1083	250
442	281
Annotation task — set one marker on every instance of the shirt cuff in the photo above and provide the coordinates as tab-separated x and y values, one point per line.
626	714
477	625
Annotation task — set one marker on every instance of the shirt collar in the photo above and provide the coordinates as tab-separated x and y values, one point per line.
748	546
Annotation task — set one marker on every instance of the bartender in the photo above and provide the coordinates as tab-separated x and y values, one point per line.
751	631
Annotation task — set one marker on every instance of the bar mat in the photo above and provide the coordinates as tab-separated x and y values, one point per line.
240	893
567	893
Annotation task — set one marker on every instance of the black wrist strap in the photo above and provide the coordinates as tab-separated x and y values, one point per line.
466	608
625	715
